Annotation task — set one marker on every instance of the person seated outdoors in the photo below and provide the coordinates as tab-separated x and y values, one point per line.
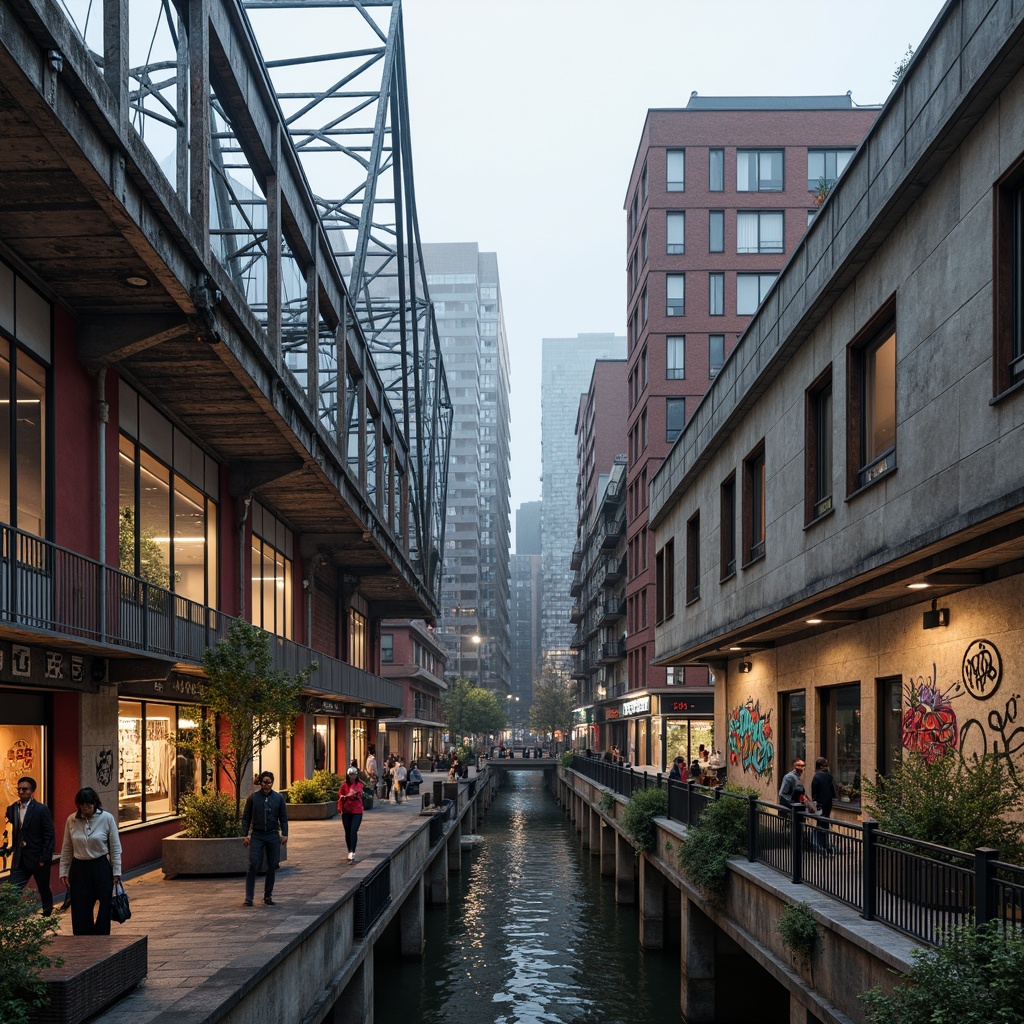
679	771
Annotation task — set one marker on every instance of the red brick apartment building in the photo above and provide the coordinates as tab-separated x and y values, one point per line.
720	194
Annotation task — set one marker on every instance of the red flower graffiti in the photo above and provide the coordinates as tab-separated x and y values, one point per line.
929	723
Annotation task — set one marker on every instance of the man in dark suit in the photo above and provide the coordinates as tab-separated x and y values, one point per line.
32	826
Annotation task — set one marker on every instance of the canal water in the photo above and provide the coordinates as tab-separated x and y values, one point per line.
531	934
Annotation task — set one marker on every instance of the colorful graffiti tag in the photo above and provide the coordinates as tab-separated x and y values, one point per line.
750	738
929	723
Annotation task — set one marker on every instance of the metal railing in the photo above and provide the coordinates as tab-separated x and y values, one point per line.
919	888
46	587
371	899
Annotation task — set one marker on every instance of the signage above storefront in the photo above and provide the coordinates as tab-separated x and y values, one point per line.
28	665
636	706
687	704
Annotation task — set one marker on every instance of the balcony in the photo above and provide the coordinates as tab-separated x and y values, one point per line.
614	532
576	613
580	667
614	570
576	586
611	611
54	592
613	650
577	558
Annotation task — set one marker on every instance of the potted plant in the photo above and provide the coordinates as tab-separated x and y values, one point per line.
315	798
254	703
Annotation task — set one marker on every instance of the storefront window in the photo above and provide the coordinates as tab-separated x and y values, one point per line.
794	729
324	744
683	737
841	716
360	740
890	723
23	737
153	774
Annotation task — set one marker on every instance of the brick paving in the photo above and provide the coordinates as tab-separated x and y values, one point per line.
205	945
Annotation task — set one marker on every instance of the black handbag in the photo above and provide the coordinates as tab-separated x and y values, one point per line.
120	911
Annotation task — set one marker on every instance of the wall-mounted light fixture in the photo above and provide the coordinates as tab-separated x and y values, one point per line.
745	666
936	617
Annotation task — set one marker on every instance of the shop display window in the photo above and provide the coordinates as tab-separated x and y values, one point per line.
153	774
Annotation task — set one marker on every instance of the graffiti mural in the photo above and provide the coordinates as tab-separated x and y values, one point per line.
750	738
929	723
982	669
1008	738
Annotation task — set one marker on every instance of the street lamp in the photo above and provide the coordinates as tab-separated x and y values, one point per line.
512	701
478	640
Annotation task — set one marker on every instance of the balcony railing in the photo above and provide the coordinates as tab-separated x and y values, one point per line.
53	590
613	650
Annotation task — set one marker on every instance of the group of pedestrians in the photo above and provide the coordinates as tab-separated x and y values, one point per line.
793	793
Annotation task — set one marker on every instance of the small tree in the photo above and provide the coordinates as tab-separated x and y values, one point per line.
24	937
551	709
469	710
256	701
901	68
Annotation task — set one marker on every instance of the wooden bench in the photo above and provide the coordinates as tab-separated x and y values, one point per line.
97	971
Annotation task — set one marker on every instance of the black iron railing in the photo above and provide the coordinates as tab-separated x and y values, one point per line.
919	888
371	899
48	588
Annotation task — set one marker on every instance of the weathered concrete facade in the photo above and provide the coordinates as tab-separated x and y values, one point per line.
821	629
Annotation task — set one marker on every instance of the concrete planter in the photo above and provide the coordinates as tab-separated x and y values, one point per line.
184	856
312	812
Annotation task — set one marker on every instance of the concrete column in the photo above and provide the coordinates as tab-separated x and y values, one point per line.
697	974
584	825
625	870
652	906
607	849
455	849
595	833
437	879
355	1005
410	923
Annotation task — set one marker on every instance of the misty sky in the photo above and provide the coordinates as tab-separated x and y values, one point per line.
526	116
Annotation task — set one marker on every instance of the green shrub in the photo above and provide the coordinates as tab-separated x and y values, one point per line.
799	930
976	977
638	817
305	791
328	783
24	936
954	802
566	758
607	802
718	834
209	815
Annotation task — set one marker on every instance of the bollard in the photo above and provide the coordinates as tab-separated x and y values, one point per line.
438	791
425	801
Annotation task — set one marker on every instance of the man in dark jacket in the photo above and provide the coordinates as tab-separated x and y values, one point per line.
32	837
823	793
265	813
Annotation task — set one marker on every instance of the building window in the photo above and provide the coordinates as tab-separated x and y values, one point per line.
675	417
643	243
716	294
716	353
644	434
818	448
825	165
358	639
675	357
675	294
387	648
890	723
754	505
716	231
693	558
664	582
675	232
1008	364
675	170
23	440
751	290
644	182
840	739
272	573
644	364
759	170
645	305
794	728
716	170
871	417
759	231
727	527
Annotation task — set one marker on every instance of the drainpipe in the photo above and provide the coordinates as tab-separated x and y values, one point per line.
316	561
103	409
247	501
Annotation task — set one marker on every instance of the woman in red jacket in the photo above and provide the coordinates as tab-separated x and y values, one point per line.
350	803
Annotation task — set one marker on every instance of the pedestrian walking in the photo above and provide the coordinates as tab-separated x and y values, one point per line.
350	803
792	789
265	814
32	836
823	793
401	780
90	863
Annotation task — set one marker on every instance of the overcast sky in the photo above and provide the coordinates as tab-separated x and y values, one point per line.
526	116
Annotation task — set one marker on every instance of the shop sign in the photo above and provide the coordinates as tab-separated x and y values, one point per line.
582	716
702	704
636	706
177	687
325	706
26	665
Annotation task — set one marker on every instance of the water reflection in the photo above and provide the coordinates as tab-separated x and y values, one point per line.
531	934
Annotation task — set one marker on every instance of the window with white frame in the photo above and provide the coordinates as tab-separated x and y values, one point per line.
675	170
759	231
675	357
825	165
675	294
675	232
751	290
759	170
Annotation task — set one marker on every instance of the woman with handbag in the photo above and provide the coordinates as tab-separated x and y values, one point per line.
90	862
350	803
